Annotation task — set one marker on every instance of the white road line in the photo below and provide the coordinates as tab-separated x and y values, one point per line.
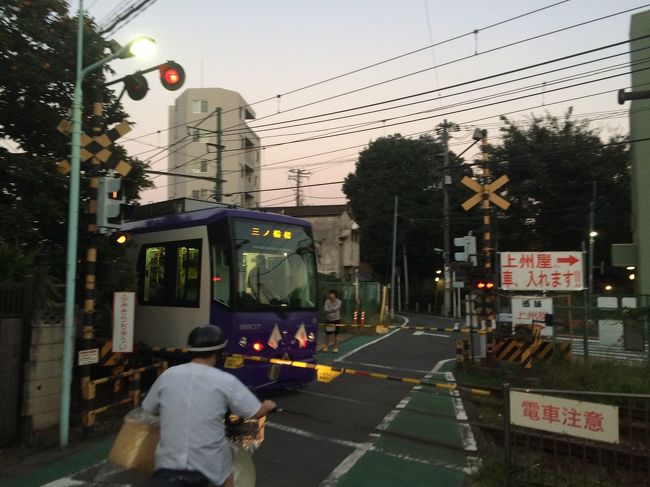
314	436
64	482
419	333
440	364
351	352
341	469
399	369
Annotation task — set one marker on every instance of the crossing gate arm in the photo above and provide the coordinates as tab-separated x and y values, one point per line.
364	373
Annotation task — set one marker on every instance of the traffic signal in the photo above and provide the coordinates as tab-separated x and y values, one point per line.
113	195
468	254
484	297
109	201
172	75
136	86
483	284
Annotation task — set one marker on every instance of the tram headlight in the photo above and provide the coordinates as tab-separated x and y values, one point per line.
243	341
258	347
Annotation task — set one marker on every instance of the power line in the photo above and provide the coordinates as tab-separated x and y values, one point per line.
391	59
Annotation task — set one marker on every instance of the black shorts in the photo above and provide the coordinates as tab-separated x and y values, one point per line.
336	328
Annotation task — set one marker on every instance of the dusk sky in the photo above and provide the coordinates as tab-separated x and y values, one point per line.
264	48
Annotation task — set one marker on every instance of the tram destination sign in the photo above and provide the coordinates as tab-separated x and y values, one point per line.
542	271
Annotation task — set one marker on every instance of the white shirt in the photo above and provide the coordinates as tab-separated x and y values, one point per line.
192	400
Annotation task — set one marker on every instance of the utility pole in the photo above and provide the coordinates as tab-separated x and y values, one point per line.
446	311
297	175
218	186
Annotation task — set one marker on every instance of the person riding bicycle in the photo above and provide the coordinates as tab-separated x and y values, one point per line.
192	400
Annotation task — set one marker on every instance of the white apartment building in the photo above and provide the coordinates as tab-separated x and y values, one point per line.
193	147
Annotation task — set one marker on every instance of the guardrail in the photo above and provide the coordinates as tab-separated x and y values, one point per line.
90	410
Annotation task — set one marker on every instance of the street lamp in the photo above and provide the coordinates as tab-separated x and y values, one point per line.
592	239
135	47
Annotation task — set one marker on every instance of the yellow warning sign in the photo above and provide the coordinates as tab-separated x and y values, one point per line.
326	374
234	362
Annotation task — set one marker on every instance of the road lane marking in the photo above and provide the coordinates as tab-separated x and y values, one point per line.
419	333
315	436
351	352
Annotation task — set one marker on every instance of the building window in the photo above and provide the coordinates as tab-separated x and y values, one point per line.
203	165
195	194
205	194
199	106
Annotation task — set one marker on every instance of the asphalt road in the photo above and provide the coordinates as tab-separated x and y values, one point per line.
358	431
327	429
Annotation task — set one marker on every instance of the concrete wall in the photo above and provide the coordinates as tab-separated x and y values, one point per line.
42	384
338	244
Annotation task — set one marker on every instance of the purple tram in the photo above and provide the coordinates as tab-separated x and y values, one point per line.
251	273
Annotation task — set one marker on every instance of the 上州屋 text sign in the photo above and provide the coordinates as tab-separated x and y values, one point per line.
558	415
123	313
542	271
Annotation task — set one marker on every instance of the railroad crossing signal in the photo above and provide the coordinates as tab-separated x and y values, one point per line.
97	148
109	201
485	189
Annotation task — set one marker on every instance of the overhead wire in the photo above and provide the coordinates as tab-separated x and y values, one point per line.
497	84
199	121
600	18
558	30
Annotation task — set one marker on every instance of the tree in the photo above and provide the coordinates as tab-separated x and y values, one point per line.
38	62
553	164
411	169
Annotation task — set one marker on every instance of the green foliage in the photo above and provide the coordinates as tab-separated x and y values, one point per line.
552	164
409	168
15	261
38	64
596	375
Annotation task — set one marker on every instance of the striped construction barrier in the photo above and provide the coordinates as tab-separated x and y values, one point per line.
526	353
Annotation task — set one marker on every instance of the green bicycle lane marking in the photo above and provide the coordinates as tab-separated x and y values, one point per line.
328	358
62	467
391	460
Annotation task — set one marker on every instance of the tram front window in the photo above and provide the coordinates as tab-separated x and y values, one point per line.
275	266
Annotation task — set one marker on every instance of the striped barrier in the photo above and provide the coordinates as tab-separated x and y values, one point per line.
89	392
327	373
526	353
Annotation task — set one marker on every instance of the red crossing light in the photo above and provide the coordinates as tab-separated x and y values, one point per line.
484	285
172	75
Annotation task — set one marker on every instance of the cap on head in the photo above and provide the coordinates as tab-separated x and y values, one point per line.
206	338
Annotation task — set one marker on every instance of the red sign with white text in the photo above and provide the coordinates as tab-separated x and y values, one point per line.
542	271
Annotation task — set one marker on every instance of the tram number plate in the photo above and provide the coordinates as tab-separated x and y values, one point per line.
234	363
326	374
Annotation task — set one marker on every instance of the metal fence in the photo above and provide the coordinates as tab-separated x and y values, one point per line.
366	298
609	327
12	298
542	458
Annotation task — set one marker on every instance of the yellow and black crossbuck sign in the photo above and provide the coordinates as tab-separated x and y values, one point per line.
96	149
